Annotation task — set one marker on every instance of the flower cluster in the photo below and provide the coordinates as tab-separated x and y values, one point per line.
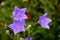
19	20
19	17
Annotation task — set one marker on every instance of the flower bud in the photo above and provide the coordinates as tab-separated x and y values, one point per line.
7	31
21	38
2	3
28	27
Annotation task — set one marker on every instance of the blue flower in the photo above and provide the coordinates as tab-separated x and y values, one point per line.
28	38
19	14
44	21
17	26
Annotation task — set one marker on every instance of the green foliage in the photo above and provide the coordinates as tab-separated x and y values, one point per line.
35	8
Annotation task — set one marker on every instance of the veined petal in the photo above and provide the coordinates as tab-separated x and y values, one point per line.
44	21
28	38
19	14
17	26
43	16
44	25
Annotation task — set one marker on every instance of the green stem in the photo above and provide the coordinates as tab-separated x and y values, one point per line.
14	37
17	37
31	30
10	36
28	31
24	34
33	27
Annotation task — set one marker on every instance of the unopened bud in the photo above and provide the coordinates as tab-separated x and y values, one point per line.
7	31
21	38
2	3
59	36
28	27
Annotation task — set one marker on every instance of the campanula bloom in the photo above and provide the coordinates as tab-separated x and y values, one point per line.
44	21
28	38
19	14
17	26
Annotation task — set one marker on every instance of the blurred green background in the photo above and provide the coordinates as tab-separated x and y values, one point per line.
35	8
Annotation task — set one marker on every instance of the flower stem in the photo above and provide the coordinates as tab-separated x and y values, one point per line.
14	37
18	36
33	27
10	36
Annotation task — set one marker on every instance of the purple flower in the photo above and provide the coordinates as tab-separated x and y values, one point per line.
44	21
19	14
28	38
17	26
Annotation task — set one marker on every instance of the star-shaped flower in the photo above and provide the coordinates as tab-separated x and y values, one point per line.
17	26
44	21
19	14
28	38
